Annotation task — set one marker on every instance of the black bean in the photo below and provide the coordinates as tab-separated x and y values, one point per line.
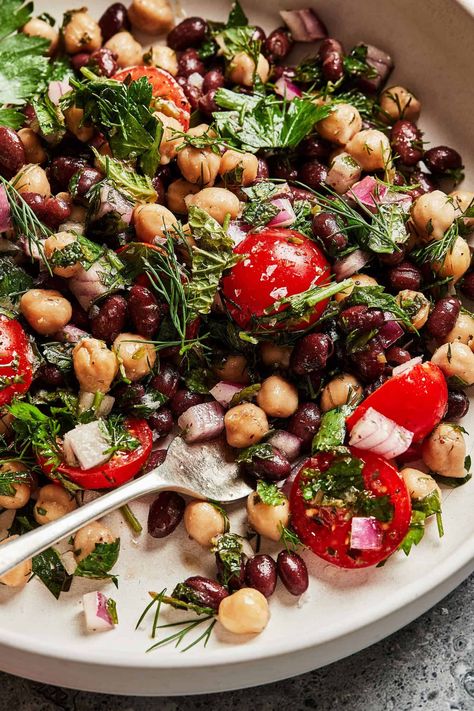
156	459
192	93
274	468
311	353
262	170
328	229
373	386
277	45
183	400
109	320
404	276
104	62
396	356
283	168
370	362
313	174
442	159
165	514
390	260
261	574
166	380
237	580
12	152
302	194
209	592
360	318
144	311
87	178
423	181
50	375
458	405
331	55
189	33
207	104
315	147
55	211
161	421
113	20
63	168
443	317
293	572
406	139
467	285
190	63
127	396
305	423
213	79
79	316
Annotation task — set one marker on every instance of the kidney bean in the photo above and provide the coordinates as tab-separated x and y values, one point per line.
305	423
390	260
259	34
104	62
275	468
313	174
370	361
207	104
360	318
55	211
277	45
36	202
113	20
209	592
398	179
192	93
328	229
165	174
261	574
372	387
166	380
396	356
156	459
12	152
283	168
293	572
406	140
165	514
110	318
458	405
190	63
213	79
311	353
161	421
189	33
159	186
331	55
442	159
424	183
80	60
87	178
237	580
183	400
128	395
443	316
144	311
315	147
262	170
50	375
404	276
63	168
467	285
283	70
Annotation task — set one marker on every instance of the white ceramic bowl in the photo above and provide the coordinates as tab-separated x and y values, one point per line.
432	43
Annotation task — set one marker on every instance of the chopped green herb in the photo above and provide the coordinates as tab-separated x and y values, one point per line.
245	395
126	179
97	565
14	281
332	431
289	538
269	494
263	450
112	610
376	297
228	548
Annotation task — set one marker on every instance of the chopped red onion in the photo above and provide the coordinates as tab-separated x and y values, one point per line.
223	392
57	89
304	24
285	88
408	365
70	334
113	201
5	213
202	422
96	611
88	284
378	434
286	216
288	444
366	534
382	63
351	264
368	192
389	333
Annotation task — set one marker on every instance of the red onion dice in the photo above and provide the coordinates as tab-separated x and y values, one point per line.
351	264
223	392
286	216
378	434
285	88
408	365
389	333
202	422
288	444
304	24
366	534
5	213
57	89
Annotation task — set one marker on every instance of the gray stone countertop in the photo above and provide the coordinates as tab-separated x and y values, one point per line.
428	665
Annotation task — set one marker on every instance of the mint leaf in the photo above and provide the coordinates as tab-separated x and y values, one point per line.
98	563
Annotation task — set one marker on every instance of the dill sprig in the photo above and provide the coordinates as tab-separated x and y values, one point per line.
437	250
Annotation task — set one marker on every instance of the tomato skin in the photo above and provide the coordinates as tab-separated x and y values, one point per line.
164	86
15	359
280	262
118	470
381	478
416	400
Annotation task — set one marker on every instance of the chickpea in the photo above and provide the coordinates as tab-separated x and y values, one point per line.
82	33
217	202
40	28
233	163
56	243
20	574
457	261
95	366
153	221
444	451
34	151
46	310
73	118
341	125
462	200
87	538
416	306
359	280
343	172
275	356
129	52
136	355
22	489
246	611
53	502
432	214
371	149
266	519
151	16
199	165
177	191
463	331
277	397
339	391
455	359
233	369
245	425
396	103
203	522
32	179
242	69
419	484
164	58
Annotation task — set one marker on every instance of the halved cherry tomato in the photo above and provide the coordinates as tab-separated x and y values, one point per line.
279	263
164	87
326	530
16	372
416	400
120	468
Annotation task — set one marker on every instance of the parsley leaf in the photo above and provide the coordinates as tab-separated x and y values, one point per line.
228	549
14	281
263	450
185	597
339	481
11	118
126	179
245	395
97	564
58	354
332	431
377	297
269	493
415	533
50	118
237	17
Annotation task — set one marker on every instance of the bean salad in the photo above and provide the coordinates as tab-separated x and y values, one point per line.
203	238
